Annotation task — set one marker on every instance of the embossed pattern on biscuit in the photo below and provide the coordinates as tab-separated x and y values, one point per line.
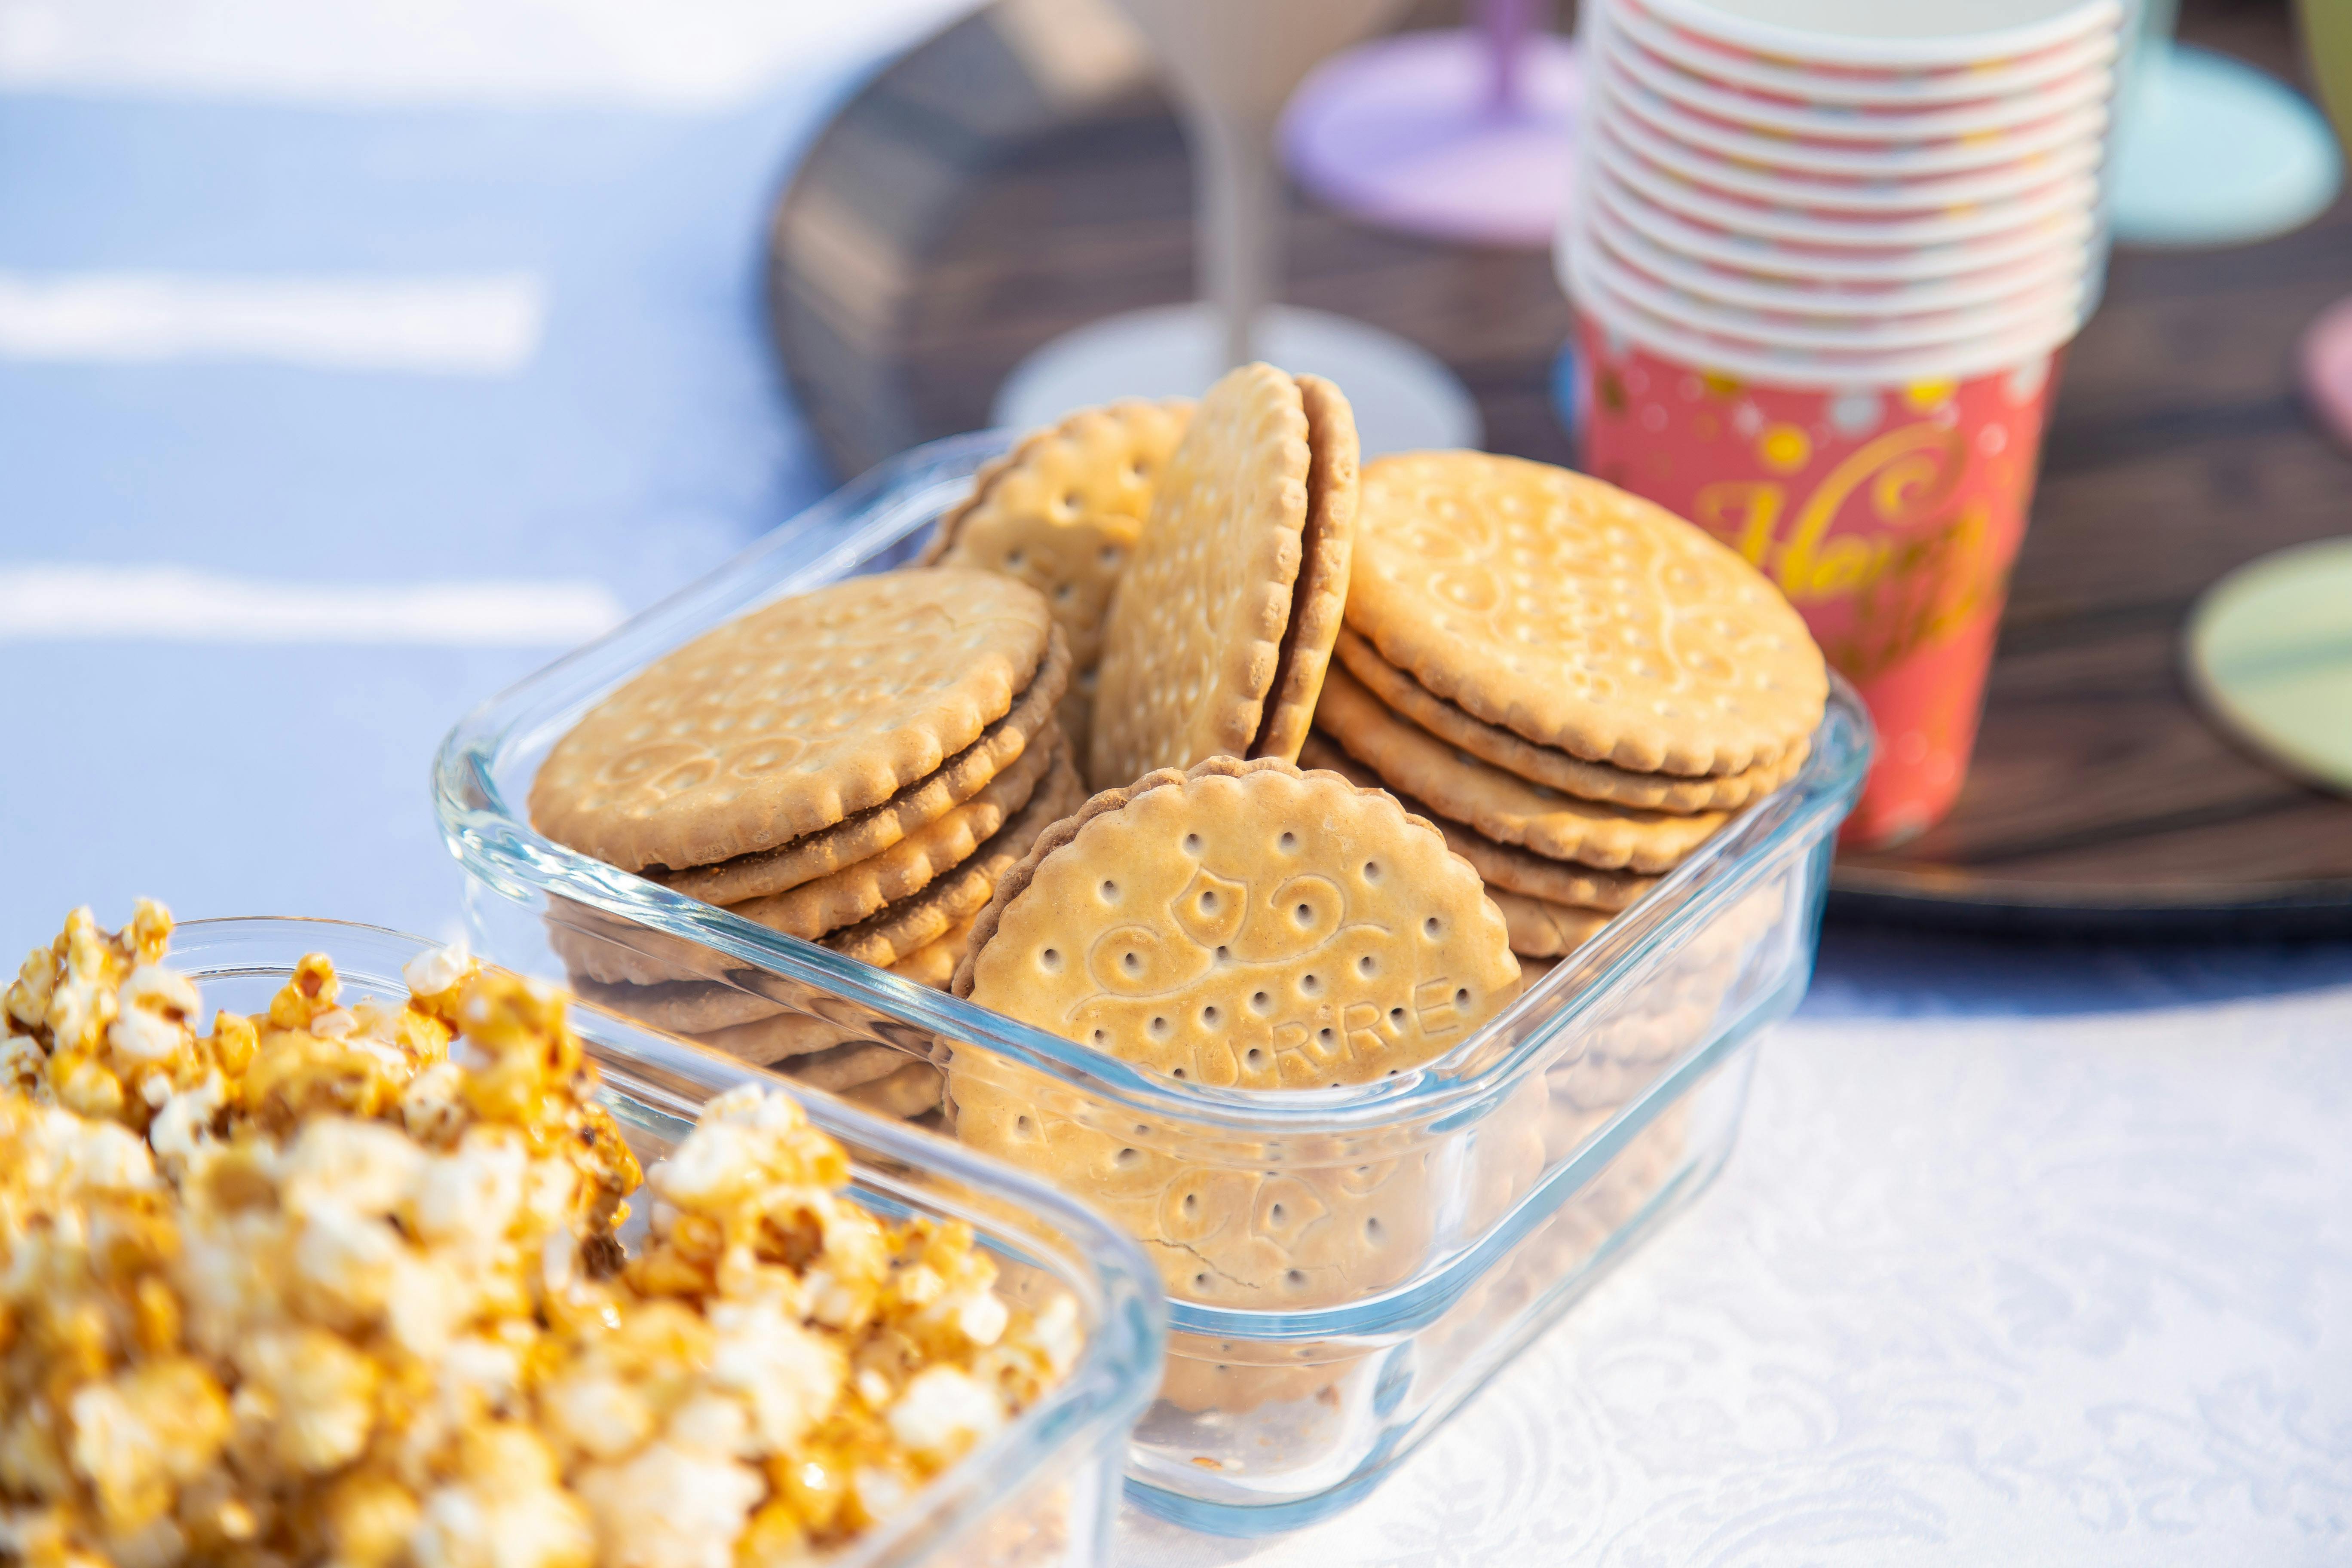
1265	928
1578	617
1315	1232
1271	930
1195	630
789	718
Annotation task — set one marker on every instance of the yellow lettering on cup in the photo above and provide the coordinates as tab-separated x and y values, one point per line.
1799	569
1740	509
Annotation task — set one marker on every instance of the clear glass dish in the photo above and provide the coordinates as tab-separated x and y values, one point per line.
1042	1494
1491	1187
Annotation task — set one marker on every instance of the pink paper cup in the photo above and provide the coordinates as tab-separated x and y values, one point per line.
1592	265
1846	194
1815	296
1845	264
2068	197
1873	36
1773	363
1617	58
1880	160
1889	514
1826	83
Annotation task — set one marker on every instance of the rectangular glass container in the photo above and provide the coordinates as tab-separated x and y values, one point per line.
1462	1207
1043	1492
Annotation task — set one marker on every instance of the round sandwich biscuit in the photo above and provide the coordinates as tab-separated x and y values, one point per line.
1578	617
1408	699
595	946
1503	806
684	1008
845	897
1318	599
787	1036
1195	630
790	718
913	1090
848	1066
1541	929
1244	924
1005	746
1498	864
896	932
1062	511
934	964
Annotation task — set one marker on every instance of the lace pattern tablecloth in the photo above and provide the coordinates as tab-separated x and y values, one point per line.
1969	1292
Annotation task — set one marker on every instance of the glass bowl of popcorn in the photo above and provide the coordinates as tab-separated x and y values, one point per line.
323	1244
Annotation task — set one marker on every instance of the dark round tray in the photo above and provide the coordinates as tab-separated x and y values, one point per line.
1019	175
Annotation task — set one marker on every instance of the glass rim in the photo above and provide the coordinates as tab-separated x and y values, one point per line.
499	846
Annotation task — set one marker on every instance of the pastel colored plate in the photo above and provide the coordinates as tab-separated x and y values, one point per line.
2326	359
2269	653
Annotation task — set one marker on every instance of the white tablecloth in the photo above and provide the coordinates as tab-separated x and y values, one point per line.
2065	1292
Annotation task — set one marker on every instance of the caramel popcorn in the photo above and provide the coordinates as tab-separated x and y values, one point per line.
345	1283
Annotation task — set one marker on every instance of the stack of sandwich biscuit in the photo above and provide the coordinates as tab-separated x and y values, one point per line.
1577	687
1221	628
856	767
1242	924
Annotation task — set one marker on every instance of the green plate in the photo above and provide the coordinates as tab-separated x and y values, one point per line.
2269	652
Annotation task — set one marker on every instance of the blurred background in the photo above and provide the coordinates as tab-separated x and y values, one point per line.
356	360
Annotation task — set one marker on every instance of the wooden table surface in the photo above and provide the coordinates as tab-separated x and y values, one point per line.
1018	175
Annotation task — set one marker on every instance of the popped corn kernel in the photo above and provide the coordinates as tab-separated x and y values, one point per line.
506	1511
138	1436
314	1394
434	978
308	991
680	1502
943	1412
370	1518
344	1283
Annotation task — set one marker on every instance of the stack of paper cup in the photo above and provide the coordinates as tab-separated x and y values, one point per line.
1822	253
